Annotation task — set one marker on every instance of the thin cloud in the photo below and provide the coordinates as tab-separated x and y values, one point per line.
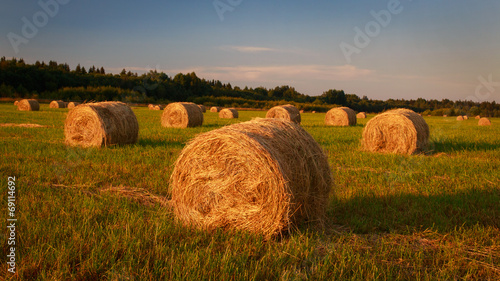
249	49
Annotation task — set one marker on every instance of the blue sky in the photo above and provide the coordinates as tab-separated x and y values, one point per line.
428	48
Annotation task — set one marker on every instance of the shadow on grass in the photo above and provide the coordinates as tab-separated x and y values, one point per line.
145	142
442	212
453	145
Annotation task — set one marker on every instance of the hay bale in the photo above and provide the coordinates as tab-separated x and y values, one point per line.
246	176
443	115
16	102
156	107
28	105
101	124
340	116
182	115
313	111
396	131
228	113
57	104
215	109
73	104
302	111
478	117
362	115
484	122
203	108
286	112
460	118
151	106
466	117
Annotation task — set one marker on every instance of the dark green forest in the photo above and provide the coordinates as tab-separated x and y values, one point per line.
55	81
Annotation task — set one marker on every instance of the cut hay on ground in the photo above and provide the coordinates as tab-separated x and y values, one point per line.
228	113
484	122
215	109
28	105
182	115
361	115
203	108
101	124
286	112
340	116
396	131
22	125
478	117
73	104
57	104
460	118
246	176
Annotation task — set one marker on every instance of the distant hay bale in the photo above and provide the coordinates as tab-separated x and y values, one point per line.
28	105
443	115
246	176
361	115
484	122
16	102
396	131
182	115
478	117
314	111
302	111
228	113
157	107
73	104
286	112
101	124
466	117
340	116
57	104
460	118
215	109
203	108
151	106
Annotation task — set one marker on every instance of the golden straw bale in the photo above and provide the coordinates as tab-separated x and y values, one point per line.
286	112
484	122
101	124
215	109
182	115
478	117
203	108
465	117
228	113
341	116
362	115
73	104
314	111
16	102
28	105
247	176
302	111
57	104
460	118
396	131
151	106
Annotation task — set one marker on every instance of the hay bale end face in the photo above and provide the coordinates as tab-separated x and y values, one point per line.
396	131
16	102
57	104
228	113
28	105
340	116
182	115
361	115
478	117
203	108
286	112
466	117
101	124
215	109
73	104
484	122
245	176
460	118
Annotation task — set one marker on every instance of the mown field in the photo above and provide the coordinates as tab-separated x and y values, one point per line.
101	214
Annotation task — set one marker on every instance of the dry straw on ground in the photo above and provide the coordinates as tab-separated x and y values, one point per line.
460	118
396	131
215	109
484	122
361	115
263	176
57	104
23	125
182	115
28	105
340	116
73	104
203	108
101	124
228	113
286	112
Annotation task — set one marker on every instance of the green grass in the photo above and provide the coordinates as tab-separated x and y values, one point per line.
391	217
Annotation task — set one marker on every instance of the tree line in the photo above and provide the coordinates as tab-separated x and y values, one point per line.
54	80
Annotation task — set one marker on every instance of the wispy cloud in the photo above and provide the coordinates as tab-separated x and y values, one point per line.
250	49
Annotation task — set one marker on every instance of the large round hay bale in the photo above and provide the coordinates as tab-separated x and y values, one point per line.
478	117
396	131
101	124
228	113
484	122
73	104
286	112
361	115
340	116
203	108
246	176
215	109
28	105
465	117
182	115
57	104
460	118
